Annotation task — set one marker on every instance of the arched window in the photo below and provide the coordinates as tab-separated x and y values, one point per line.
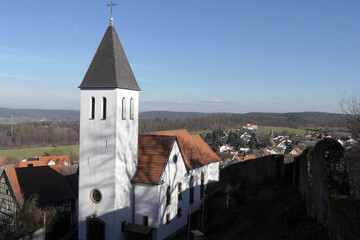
92	108
191	186
123	108
132	109
103	112
179	191
202	186
168	196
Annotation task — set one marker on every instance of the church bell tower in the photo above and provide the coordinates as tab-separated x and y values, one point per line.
108	141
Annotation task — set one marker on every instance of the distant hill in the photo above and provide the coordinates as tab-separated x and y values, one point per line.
295	119
34	115
171	115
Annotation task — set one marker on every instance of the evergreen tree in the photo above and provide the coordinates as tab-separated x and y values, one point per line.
253	142
231	139
208	138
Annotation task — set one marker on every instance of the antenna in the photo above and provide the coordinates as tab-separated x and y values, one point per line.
12	126
111	6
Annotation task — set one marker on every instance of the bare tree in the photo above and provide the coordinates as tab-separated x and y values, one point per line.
350	106
30	217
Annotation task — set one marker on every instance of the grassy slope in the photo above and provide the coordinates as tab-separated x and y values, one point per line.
279	130
39	151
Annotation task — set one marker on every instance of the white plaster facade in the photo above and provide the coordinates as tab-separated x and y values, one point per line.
150	200
108	159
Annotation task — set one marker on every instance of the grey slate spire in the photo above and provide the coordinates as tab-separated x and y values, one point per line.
110	67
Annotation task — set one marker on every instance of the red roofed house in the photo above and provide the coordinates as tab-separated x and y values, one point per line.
55	186
46	161
133	186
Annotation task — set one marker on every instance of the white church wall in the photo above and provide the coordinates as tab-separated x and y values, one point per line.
126	156
97	151
174	173
108	153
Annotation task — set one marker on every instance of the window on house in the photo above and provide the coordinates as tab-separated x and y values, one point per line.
178	213
103	112
191	187
92	108
168	196
145	220
175	158
123	108
123	224
202	186
132	109
179	192
167	218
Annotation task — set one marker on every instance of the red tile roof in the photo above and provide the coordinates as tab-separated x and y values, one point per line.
193	150
44	161
11	174
153	152
209	154
2	161
248	157
154	149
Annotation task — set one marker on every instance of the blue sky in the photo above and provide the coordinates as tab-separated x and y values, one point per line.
206	56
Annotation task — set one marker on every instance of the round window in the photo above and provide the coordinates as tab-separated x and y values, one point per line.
175	158
96	195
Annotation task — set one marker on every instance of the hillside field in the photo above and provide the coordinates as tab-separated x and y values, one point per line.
279	130
263	130
38	151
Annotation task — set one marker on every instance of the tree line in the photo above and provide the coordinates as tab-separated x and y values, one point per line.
38	134
47	133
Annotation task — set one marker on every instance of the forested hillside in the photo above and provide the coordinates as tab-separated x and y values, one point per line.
36	134
47	133
226	121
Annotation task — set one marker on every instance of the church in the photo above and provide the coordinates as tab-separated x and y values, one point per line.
131	185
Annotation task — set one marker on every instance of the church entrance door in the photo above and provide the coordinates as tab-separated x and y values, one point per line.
95	229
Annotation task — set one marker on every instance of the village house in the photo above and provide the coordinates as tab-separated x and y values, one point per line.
226	148
133	186
55	187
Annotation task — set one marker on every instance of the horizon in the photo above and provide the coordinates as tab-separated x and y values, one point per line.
207	57
78	110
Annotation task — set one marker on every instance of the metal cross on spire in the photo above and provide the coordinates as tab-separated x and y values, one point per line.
111	6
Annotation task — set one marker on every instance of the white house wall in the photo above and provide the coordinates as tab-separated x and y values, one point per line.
174	173
197	182
150	200
213	171
146	203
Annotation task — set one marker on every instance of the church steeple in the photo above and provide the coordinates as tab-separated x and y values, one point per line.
109	116
110	67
